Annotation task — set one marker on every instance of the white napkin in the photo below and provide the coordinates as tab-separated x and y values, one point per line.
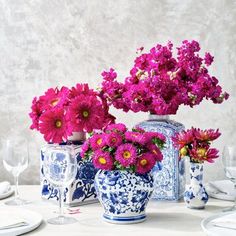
228	221
223	186
11	222
4	187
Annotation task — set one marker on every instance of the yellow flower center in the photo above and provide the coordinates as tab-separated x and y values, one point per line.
85	114
113	140
154	151
126	154
183	151
143	162
54	102
201	152
58	124
99	141
102	160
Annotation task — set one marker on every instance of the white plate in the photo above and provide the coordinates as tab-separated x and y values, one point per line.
33	219
7	194
212	230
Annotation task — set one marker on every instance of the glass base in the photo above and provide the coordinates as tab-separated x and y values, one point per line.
16	202
62	220
232	208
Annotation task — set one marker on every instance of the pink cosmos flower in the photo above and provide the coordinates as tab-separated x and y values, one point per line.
86	113
54	126
35	113
102	160
145	163
126	154
113	139
97	141
54	98
136	137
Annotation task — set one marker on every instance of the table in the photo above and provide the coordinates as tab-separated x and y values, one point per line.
164	218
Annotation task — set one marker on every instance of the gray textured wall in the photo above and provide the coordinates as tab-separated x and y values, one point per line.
61	42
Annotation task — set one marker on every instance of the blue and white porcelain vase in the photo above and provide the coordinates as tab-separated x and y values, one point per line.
169	175
195	195
124	195
82	190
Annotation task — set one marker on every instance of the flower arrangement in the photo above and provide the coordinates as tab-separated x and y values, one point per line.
116	148
159	82
195	143
59	112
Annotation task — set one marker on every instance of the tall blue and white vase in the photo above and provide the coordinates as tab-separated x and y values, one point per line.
124	195
169	175
82	190
195	195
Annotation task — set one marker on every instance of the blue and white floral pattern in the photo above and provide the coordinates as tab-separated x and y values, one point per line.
124	195
195	195
169	176
82	189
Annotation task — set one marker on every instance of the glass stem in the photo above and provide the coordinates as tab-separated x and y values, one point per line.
61	203
235	195
16	187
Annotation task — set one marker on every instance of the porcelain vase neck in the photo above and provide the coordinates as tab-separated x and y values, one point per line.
158	117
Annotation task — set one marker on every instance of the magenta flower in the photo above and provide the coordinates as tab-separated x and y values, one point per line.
159	82
195	143
86	113
136	137
155	151
55	98
114	139
120	128
84	149
126	154
145	163
97	141
35	113
54	126
154	135
102	160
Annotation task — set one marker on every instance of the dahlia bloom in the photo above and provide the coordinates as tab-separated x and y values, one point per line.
195	143
159	82
116	148
35	113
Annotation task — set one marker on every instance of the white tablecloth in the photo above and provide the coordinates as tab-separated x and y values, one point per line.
164	218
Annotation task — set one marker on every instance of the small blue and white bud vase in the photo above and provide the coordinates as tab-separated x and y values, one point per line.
124	195
195	195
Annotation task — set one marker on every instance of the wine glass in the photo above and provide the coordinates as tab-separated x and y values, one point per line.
229	163
60	169
15	161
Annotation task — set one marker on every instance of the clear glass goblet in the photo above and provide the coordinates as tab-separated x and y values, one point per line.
15	161
60	169
229	163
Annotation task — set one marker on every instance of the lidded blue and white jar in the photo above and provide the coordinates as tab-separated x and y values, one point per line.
195	195
124	195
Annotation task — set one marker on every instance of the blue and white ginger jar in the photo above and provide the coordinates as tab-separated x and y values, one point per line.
124	195
195	195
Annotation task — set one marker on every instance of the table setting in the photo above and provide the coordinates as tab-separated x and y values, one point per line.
107	178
